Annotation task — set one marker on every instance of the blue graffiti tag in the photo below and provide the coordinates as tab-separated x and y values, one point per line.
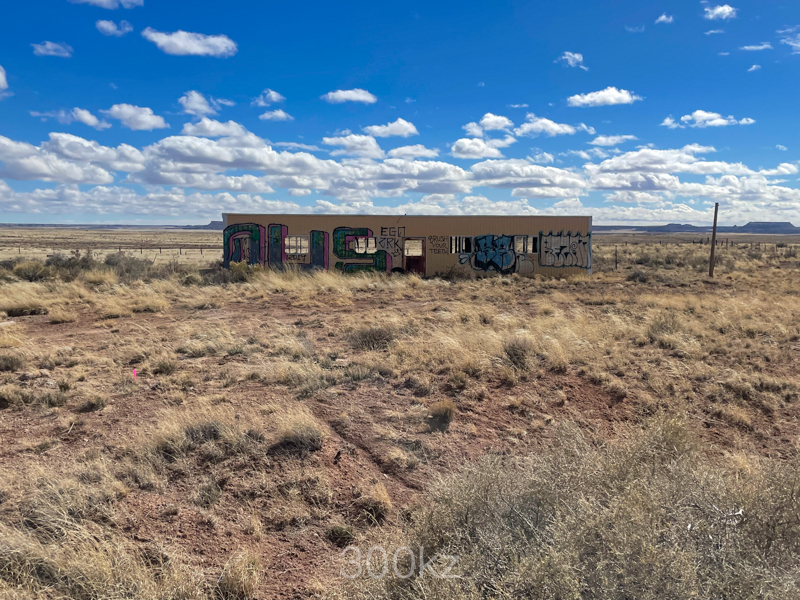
495	253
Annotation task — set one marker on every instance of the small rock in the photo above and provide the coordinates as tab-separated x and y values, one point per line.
28	376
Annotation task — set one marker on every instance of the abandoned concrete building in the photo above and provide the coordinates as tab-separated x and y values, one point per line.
426	245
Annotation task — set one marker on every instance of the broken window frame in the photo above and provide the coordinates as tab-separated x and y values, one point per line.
409	244
461	244
365	245
297	245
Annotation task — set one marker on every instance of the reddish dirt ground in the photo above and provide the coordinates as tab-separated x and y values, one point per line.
296	555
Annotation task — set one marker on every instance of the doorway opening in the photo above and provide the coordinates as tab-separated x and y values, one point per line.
414	255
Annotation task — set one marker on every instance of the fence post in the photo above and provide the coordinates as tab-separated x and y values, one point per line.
714	241
616	262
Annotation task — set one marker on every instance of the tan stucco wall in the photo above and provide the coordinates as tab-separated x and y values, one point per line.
556	255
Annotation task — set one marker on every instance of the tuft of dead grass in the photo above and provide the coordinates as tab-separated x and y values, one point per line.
298	431
441	414
240	578
373	338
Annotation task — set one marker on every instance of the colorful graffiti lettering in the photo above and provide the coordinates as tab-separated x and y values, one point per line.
565	250
317	251
244	242
276	255
495	253
344	247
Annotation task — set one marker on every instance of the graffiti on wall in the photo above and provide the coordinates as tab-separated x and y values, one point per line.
266	246
495	253
244	242
278	258
346	242
565	250
359	249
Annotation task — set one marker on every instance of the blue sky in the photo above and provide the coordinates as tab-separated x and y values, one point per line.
148	111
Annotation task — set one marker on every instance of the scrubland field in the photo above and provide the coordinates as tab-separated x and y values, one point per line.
633	434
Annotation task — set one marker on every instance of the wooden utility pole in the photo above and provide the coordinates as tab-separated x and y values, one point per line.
713	240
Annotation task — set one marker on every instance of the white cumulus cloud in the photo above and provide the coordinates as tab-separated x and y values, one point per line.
781	148
362	146
535	126
607	97
210	128
415	151
754	68
399	128
3	80
473	129
703	119
542	158
268	97
573	59
137	118
355	95
81	115
52	49
87	118
474	148
194	103
665	19
612	140
491	122
112	29
185	43
276	115
723	12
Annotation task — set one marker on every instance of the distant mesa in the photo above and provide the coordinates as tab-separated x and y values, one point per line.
763	227
213	225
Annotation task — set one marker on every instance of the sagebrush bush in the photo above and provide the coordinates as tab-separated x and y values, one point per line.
648	517
32	270
520	351
11	362
372	338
